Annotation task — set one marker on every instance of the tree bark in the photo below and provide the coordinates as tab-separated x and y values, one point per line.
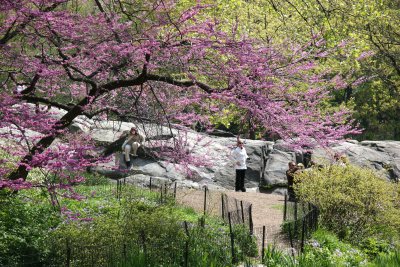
22	171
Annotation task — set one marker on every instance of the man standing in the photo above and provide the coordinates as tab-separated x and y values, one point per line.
132	142
239	156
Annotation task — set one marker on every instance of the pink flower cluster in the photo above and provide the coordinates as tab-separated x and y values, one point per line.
151	64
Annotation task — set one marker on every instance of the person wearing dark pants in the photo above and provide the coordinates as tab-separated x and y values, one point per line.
239	156
290	180
239	183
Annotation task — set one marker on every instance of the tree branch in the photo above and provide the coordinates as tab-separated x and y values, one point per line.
11	34
381	49
187	83
36	99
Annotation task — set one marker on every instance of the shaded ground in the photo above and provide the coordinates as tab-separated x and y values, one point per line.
267	210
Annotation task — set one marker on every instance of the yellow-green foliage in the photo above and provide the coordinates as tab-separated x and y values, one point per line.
354	202
8	159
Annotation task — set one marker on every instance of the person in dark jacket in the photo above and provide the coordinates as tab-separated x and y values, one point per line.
290	180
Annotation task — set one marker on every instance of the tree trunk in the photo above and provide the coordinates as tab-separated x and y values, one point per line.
22	170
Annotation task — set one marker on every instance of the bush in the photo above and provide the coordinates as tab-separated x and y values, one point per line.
24	227
354	202
388	260
373	247
276	258
325	249
134	229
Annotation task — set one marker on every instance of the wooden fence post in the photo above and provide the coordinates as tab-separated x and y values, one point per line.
205	200
232	239
241	207
150	183
285	208
186	256
68	259
291	238
175	191
295	218
161	194
263	245
223	207
251	219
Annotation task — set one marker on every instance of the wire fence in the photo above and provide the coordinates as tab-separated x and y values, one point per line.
190	245
236	211
242	241
300	221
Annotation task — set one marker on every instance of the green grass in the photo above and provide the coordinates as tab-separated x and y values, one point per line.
278	207
120	220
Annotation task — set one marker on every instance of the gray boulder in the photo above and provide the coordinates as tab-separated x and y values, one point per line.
276	166
382	156
267	162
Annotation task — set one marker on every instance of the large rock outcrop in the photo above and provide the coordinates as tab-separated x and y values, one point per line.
267	162
266	166
214	150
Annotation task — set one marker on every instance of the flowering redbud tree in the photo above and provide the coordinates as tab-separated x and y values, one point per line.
144	60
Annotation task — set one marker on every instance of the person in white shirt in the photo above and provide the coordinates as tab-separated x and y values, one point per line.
239	157
20	88
132	142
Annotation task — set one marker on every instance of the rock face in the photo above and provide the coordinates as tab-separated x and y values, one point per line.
383	156
267	162
220	172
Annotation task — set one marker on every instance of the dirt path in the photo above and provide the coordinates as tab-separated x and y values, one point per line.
267	210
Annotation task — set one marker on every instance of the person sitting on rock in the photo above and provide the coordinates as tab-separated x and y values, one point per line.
133	141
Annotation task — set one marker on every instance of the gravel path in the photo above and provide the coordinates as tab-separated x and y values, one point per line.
267	210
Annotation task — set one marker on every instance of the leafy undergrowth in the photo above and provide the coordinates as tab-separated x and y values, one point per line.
113	226
326	250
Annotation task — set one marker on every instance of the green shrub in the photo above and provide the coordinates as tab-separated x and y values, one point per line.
246	243
24	227
388	260
325	249
134	229
276	258
373	247
354	202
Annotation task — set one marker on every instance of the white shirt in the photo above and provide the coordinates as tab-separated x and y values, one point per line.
21	88
239	155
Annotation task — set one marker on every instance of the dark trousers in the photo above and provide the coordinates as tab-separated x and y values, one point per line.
239	183
291	194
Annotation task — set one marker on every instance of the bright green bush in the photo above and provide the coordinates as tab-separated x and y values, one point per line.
326	250
24	226
387	260
354	202
110	227
374	246
274	257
